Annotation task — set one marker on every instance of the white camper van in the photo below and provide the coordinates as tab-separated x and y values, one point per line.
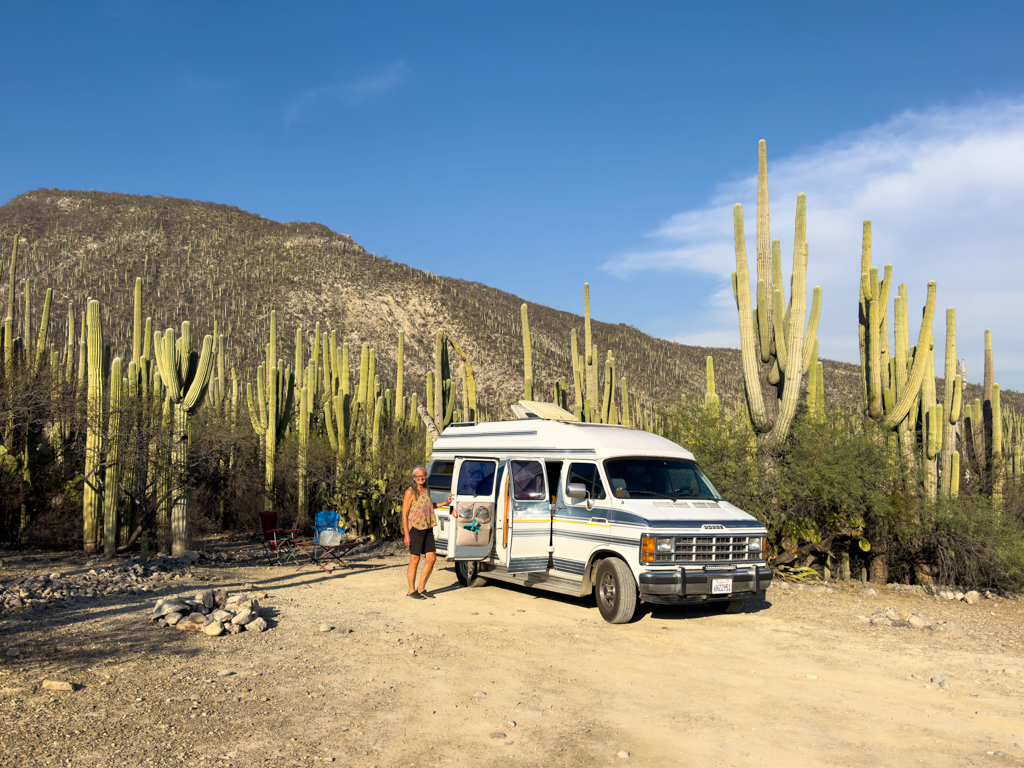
549	502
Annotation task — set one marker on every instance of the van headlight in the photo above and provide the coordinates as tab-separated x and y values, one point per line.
664	545
755	545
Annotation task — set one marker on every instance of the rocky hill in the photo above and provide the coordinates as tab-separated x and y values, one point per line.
210	263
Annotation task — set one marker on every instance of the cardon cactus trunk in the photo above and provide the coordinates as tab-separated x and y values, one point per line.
527	355
776	350
271	410
186	376
951	402
91	498
711	400
112	483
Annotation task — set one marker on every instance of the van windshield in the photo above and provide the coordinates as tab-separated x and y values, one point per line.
647	477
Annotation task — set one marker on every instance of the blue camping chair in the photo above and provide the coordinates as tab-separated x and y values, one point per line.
327	533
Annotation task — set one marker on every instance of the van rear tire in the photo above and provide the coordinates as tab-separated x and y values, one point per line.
466	573
615	591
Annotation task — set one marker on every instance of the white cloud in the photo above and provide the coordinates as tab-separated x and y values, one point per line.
348	93
945	192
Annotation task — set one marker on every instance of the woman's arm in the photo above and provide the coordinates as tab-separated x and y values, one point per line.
406	503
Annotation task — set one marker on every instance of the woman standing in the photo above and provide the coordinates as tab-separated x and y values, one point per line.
418	523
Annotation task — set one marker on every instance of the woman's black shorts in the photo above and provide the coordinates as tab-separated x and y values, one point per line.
421	541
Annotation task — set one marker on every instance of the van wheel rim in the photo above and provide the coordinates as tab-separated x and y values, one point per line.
607	589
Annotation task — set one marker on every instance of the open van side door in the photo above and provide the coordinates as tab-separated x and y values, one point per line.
473	512
531	516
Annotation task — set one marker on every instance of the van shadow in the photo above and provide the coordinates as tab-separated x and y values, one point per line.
654	611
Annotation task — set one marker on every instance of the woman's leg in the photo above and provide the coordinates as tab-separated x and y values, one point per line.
414	562
428	566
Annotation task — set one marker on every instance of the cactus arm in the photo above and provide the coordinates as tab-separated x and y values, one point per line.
874	359
811	338
193	398
44	327
755	400
763	249
332	435
795	337
906	398
779	314
253	415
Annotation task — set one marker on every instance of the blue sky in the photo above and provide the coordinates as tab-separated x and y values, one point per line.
533	146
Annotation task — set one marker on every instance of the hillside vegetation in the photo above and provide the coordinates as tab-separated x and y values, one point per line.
212	263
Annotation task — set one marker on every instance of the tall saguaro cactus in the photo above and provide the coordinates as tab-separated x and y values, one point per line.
776	350
185	375
951	406
91	498
527	354
275	386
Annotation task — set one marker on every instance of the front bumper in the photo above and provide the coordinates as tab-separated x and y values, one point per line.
681	586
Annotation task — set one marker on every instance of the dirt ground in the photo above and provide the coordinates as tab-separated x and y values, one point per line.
501	675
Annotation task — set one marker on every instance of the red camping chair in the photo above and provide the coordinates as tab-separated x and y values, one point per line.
278	543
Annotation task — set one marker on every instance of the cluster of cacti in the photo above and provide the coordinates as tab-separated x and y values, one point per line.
984	433
899	388
776	348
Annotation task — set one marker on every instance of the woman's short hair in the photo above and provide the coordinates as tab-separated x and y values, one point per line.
418	468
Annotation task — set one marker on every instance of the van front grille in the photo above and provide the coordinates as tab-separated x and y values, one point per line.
710	549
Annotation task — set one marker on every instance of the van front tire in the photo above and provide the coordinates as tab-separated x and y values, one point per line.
615	591
466	574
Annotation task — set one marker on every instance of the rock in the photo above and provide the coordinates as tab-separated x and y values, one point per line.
197	618
950	630
172	618
938	679
498	735
889	613
261	595
256	625
880	621
207	599
188	626
233	629
947	594
325	627
214	629
164	607
779	585
920	622
900	623
57	685
868	592
972	598
220	598
904	614
190	557
623	754
958	595
12	652
480	695
510	723
225	673
222	616
243	617
946	685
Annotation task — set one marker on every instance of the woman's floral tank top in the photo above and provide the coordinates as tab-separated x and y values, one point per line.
421	513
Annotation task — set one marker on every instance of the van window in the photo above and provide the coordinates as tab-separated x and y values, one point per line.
476	478
527	481
439	481
588	475
554	469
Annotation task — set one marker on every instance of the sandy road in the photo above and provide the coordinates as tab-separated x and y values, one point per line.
798	679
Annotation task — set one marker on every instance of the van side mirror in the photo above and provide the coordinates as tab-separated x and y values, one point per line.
576	491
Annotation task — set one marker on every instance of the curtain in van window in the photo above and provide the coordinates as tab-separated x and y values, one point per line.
476	478
527	481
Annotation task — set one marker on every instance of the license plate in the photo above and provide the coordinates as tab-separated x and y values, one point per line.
721	586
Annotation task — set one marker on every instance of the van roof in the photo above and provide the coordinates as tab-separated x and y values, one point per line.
541	437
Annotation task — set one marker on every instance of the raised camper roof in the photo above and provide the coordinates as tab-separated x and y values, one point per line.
548	437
